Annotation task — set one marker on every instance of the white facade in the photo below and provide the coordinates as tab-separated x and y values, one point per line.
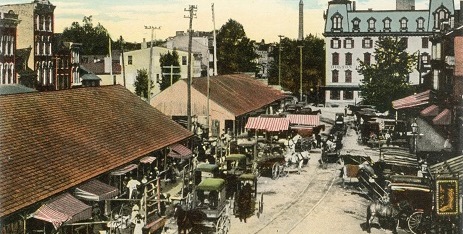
351	34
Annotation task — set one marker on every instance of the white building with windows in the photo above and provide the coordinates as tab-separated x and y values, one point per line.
350	35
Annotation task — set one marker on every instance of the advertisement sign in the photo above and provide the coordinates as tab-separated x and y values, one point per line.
447	199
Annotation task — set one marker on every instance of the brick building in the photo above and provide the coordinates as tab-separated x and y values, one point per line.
8	23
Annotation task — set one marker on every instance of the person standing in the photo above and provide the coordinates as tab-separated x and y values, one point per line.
132	185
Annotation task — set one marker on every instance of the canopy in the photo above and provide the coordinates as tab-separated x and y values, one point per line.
247	176
412	101
95	190
234	157
268	124
124	170
179	151
211	184
148	159
310	120
443	118
431	110
64	208
207	167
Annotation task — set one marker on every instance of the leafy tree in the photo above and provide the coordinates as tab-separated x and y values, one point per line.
169	59
235	52
94	39
141	83
387	79
313	66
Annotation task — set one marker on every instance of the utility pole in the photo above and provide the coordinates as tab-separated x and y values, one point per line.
300	72
150	69
279	62
192	13
123	63
215	43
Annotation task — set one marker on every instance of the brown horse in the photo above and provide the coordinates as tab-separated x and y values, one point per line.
386	211
186	219
244	203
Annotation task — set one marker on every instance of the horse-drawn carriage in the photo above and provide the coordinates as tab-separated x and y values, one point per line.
269	164
246	197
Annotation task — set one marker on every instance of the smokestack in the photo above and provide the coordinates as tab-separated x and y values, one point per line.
301	21
353	6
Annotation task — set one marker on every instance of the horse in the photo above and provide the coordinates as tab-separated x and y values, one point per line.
186	219
382	210
244	202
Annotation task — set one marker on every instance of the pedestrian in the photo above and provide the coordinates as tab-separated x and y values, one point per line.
388	138
300	162
132	186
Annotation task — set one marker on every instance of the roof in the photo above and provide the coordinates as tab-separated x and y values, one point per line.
207	167
268	124
90	76
238	93
412	100
99	68
95	190
210	184
431	110
311	120
179	151
234	157
14	89
443	118
452	167
53	141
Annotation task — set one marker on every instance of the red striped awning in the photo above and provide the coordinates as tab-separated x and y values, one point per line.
443	118
179	151
431	110
95	190
148	159
63	209
412	101
124	170
268	124
310	120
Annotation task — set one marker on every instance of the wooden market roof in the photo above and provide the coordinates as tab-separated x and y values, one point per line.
238	93
53	141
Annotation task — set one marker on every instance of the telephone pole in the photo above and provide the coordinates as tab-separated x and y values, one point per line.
151	62
279	62
192	13
215	43
300	72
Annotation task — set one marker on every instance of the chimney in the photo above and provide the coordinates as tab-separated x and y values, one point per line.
353	6
143	44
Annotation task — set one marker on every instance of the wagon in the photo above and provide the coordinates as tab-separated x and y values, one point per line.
270	164
205	170
255	202
210	199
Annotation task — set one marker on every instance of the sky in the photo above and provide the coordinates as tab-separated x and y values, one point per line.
261	19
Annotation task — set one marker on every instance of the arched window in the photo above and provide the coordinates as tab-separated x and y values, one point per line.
43	22
50	71
403	24
11	79
440	15
335	60
12	46
50	28
335	76
371	24
44	72
420	24
336	22
1	44
387	24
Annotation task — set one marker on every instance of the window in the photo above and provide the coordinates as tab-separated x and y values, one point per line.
404	41
335	59
336	22
335	43
387	24
425	58
348	59
403	24
348	76
348	95
371	25
440	15
420	24
348	43
367	43
129	60
335	76
424	42
356	25
367	58
335	95
184	60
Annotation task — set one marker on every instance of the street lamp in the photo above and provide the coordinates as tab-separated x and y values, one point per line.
279	62
414	132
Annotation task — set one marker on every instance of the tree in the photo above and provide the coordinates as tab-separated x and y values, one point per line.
387	79
167	60
94	39
141	83
313	66
235	52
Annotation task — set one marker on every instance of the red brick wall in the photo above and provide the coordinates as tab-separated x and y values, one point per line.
458	85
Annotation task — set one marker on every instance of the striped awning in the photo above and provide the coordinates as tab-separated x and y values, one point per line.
148	159
310	120
431	110
268	124
179	151
95	190
443	118
63	209
124	170
412	101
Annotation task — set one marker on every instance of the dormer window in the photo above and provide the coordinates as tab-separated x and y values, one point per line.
440	15
371	25
420	24
336	21
403	24
387	24
356	25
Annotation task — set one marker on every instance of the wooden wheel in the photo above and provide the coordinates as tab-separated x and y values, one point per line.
414	221
223	225
275	171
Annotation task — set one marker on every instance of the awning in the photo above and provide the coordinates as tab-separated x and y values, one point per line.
431	110
443	118
124	170
179	151
63	209
148	159
412	101
304	131
268	124
95	190
310	120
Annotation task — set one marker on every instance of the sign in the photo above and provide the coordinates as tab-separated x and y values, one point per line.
447	197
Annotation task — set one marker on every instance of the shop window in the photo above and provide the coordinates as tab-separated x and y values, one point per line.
335	95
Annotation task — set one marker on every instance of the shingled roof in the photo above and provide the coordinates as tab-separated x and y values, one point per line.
52	141
238	93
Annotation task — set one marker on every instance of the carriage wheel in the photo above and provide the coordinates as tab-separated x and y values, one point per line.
223	225
275	171
414	221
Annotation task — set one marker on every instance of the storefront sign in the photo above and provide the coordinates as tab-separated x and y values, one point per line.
447	199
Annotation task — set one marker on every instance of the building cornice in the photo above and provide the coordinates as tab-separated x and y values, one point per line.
376	34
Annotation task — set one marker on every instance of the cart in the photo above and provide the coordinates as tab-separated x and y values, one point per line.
269	164
255	204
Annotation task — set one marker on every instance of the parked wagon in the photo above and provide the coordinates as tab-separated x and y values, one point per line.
247	202
269	164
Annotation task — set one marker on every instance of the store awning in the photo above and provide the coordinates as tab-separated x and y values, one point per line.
179	151
431	110
63	209
124	170
443	118
310	120
412	101
95	190
148	159
268	124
